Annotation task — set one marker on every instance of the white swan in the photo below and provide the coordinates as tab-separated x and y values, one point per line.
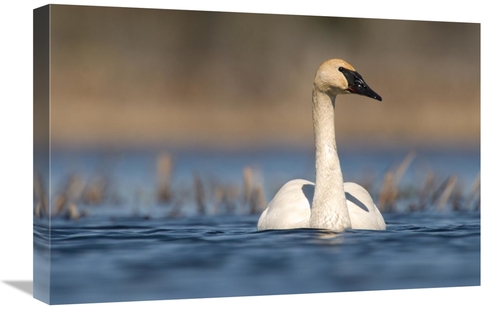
330	204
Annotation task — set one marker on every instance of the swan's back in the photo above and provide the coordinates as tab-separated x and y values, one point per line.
363	212
290	208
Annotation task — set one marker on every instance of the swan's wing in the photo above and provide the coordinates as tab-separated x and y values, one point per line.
290	207
363	212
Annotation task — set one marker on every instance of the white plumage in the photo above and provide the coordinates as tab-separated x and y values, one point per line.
330	203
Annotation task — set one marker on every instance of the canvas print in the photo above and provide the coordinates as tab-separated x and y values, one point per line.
198	154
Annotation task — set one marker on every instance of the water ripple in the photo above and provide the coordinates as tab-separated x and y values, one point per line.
227	256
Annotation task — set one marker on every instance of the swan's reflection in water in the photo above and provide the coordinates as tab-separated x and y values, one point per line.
307	236
330	237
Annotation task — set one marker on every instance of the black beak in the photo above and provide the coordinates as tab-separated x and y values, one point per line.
356	84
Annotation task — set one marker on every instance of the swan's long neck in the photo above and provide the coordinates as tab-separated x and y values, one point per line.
329	208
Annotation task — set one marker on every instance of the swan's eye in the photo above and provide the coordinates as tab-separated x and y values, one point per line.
341	69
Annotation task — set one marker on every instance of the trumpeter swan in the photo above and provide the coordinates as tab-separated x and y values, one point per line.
330	203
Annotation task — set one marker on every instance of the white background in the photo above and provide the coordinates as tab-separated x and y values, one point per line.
16	150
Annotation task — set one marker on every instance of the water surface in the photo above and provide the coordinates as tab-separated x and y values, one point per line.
131	249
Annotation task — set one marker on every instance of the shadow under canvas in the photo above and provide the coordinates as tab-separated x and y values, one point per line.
22	285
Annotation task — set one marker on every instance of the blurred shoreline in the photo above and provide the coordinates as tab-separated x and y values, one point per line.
186	79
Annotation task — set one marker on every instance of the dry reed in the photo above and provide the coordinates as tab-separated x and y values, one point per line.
164	171
390	190
210	196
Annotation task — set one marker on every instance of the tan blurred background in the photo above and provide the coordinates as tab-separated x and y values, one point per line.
162	78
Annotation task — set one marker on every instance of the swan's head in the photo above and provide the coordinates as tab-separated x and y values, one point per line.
335	76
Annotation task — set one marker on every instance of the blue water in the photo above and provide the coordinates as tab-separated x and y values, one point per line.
131	250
